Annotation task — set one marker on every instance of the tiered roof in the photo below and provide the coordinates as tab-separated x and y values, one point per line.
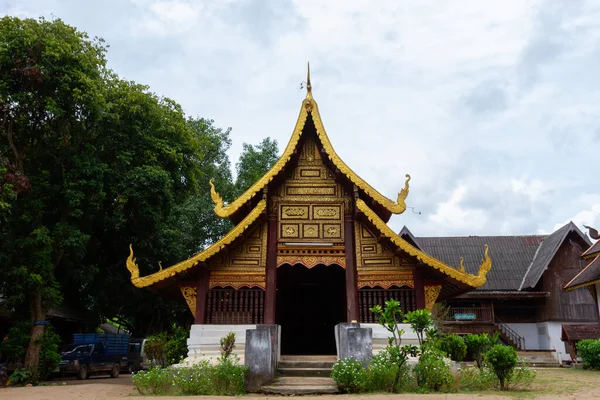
373	206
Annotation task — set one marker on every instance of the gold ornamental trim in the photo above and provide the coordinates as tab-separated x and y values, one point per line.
461	276
309	105
431	295
310	261
189	294
200	257
386	280
237	280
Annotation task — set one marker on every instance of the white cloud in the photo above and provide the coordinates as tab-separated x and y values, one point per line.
491	107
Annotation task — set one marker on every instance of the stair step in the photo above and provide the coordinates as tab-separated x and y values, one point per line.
305	364
304	372
300	385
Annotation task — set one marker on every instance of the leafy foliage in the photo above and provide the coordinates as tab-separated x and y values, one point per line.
349	375
16	342
227	344
589	350
454	346
253	163
432	372
477	345
382	372
176	347
420	321
474	378
502	359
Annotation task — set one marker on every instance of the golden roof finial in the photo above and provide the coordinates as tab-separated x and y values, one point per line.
308	85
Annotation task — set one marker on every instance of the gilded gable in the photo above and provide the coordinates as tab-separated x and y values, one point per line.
310	204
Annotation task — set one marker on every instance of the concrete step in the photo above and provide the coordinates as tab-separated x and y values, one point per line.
300	385
305	364
539	359
304	372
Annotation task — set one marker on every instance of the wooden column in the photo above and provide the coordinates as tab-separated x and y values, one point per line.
419	287
201	294
351	281
271	270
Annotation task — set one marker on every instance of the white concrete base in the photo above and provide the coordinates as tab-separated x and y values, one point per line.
381	335
204	342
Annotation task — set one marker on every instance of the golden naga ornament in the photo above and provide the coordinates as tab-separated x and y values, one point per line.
218	200
462	264
131	265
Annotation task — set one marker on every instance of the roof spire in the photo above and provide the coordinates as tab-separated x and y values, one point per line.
308	85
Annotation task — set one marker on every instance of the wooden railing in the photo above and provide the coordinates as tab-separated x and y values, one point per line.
230	306
510	335
368	298
478	314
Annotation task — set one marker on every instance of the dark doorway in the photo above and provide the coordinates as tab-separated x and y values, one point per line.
310	303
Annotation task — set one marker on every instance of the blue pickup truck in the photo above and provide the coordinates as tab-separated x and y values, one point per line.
94	353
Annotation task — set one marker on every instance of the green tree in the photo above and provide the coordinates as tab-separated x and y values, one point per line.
420	321
254	162
477	345
503	360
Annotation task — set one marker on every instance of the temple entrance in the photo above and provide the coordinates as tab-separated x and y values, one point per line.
310	303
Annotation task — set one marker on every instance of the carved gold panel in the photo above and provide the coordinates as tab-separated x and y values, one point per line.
431	294
332	231
310	257
329	190
294	212
328	212
289	231
310	231
310	173
249	255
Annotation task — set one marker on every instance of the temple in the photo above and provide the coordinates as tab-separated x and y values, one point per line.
310	248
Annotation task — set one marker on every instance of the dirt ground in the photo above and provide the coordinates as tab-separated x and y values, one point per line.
551	384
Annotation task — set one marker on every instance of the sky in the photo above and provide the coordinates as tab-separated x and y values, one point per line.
492	107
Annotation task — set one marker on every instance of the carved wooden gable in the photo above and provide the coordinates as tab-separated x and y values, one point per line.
378	265
310	204
244	264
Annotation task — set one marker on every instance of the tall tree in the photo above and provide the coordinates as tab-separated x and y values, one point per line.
254	162
50	82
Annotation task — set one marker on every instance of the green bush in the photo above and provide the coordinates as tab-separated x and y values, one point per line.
176	346
502	360
420	321
382	373
432	372
156	349
454	346
202	379
473	378
15	346
589	351
349	375
477	345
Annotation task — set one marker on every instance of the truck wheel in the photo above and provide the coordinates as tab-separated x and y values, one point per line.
114	372
83	372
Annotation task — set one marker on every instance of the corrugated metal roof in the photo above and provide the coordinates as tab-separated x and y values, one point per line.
511	256
579	332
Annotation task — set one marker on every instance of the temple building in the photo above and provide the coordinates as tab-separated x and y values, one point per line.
310	248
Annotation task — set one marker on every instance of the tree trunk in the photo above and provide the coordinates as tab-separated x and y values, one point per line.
32	357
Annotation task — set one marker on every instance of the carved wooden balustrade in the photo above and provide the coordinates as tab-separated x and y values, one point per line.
368	298
230	306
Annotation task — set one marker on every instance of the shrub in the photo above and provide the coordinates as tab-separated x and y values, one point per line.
224	379
432	372
154	381
454	346
156	349
477	345
349	375
227	345
589	350
176	346
420	321
473	378
502	360
382	373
